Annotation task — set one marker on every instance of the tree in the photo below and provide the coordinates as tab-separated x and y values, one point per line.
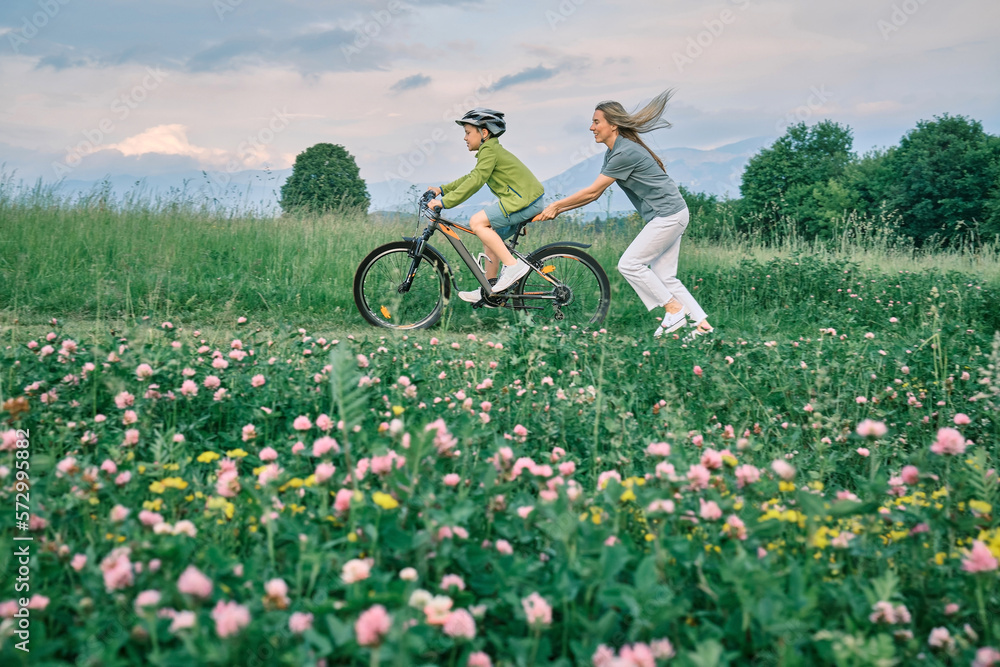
324	177
944	171
781	180
869	182
992	227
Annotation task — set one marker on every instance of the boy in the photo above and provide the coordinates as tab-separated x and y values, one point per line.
519	193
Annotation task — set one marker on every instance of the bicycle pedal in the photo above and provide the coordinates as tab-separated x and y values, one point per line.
485	303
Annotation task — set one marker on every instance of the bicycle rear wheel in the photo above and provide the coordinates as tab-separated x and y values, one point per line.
379	277
581	290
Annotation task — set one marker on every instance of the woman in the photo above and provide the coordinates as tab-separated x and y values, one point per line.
650	262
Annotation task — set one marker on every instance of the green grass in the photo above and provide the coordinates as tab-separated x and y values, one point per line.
100	261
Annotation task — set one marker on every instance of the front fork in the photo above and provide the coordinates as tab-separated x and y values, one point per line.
416	253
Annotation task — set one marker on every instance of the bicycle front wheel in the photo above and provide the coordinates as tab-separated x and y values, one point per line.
574	289
380	277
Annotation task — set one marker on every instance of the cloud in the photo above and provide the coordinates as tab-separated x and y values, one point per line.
540	73
222	56
410	82
168	140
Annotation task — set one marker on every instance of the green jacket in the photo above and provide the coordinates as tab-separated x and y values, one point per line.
507	177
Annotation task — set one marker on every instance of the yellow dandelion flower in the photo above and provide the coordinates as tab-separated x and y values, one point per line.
236	453
207	457
786	487
174	483
153	505
215	502
141	469
398	410
820	538
385	501
627	496
352	537
650	537
157	487
980	506
94	500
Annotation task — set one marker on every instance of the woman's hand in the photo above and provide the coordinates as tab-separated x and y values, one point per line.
433	204
550	212
436	190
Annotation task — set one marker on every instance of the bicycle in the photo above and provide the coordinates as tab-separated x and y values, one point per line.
407	284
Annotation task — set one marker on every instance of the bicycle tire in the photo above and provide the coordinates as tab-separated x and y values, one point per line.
572	267
380	274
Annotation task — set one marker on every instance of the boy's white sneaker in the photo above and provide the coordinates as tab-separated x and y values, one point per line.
510	275
472	296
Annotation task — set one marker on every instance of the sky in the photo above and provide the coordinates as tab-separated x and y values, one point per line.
96	87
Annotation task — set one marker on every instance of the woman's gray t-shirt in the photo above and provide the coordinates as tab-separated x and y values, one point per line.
651	191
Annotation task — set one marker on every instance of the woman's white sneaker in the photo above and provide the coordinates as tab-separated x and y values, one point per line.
671	322
697	333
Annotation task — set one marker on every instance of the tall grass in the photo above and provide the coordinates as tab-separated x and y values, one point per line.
97	258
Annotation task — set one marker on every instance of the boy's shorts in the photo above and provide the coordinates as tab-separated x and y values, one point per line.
504	225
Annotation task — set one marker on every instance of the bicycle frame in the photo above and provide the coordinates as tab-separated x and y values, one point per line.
449	227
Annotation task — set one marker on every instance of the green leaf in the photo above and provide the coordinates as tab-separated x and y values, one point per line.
321	643
340	631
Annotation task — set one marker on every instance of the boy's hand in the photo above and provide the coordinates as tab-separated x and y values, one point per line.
433	204
436	190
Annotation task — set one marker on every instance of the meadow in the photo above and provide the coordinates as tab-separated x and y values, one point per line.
223	465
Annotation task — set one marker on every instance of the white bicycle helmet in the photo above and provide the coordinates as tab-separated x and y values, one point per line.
488	118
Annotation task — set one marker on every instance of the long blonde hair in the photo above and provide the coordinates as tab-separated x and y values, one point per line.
646	119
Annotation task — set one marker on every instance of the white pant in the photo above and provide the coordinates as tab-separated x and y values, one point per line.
650	264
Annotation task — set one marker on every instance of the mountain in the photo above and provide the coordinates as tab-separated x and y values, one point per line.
251	190
716	171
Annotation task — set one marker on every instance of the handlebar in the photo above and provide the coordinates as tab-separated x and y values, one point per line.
425	199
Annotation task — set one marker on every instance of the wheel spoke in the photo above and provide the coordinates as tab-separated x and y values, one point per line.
377	290
589	293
